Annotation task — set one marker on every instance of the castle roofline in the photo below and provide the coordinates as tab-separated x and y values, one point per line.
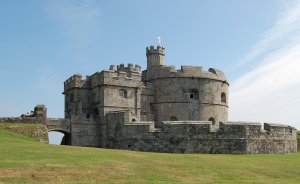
160	72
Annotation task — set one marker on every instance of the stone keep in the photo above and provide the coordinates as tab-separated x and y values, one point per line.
164	110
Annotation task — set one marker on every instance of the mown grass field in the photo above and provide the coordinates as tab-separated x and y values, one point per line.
23	160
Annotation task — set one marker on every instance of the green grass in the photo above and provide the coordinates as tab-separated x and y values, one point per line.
23	160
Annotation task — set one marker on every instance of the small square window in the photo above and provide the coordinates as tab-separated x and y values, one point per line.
193	94
123	93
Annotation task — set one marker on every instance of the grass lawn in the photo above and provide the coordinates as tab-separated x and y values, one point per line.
23	160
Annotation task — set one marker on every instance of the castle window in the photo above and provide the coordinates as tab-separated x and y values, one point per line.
173	118
133	120
290	131
213	121
123	93
193	94
87	116
96	111
151	107
72	98
223	97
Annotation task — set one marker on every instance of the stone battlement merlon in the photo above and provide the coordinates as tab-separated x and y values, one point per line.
123	75
129	69
158	50
76	76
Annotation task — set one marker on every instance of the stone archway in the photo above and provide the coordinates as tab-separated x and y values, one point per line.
66	139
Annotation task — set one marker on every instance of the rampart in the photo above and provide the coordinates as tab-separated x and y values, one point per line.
199	136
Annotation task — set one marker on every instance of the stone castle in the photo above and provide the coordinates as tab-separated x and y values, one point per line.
162	109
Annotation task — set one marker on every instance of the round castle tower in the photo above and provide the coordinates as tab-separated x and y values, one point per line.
188	94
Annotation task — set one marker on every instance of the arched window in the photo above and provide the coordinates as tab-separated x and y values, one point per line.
173	118
133	120
223	97
123	93
213	121
193	94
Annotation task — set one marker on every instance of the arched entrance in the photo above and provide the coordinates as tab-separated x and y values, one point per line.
60	137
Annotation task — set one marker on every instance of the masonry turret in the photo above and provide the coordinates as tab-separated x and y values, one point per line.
155	56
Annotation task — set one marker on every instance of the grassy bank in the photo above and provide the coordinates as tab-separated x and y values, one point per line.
23	160
37	132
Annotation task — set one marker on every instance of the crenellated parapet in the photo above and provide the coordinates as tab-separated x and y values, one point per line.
255	129
185	72
155	50
129	69
76	81
121	75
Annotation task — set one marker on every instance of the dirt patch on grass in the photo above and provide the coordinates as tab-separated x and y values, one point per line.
59	173
4	173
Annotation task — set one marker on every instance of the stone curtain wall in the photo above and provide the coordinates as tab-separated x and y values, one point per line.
274	138
198	137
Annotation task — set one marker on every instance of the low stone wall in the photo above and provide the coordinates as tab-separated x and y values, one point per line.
22	120
199	137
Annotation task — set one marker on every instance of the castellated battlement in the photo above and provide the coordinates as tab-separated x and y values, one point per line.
75	77
114	77
199	136
120	75
155	50
76	81
129	69
184	72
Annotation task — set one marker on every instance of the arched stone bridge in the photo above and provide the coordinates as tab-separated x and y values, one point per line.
62	126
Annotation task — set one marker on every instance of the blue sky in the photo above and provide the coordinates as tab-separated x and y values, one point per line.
256	43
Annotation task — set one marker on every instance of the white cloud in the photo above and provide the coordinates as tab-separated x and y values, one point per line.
271	91
285	29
